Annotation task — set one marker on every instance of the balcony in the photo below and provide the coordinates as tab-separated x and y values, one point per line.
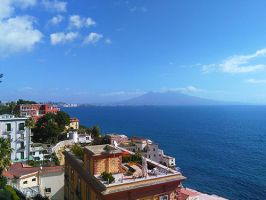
21	131
20	139
7	132
21	149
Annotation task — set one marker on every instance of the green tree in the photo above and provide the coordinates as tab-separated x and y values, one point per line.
5	154
62	119
12	107
21	101
95	131
50	127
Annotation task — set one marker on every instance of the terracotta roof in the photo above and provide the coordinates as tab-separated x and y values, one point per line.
189	192
18	170
54	169
7	175
74	120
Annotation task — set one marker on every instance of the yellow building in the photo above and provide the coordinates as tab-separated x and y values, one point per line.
74	124
142	179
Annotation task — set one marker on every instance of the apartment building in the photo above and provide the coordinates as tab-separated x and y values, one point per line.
36	110
144	180
14	128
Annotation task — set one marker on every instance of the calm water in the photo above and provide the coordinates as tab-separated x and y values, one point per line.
222	150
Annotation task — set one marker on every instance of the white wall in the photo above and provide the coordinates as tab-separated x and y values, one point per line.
55	182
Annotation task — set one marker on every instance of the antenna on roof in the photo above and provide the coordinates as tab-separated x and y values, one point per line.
115	144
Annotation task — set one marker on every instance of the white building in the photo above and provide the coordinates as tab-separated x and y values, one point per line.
149	150
40	151
79	138
30	181
14	128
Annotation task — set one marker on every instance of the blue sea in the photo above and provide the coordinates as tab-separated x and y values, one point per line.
220	149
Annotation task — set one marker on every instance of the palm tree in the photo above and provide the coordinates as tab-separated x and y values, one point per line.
5	154
30	123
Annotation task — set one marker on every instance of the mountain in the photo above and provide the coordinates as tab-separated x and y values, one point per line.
169	99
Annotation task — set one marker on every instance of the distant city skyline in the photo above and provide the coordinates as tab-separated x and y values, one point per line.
87	51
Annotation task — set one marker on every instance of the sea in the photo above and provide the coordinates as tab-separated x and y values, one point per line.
220	149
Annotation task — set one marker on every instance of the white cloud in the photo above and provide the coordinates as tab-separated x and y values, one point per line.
24	89
56	19
188	89
124	93
108	41
238	63
25	3
256	81
60	37
92	38
90	22
138	9
55	5
75	21
6	9
18	34
7	6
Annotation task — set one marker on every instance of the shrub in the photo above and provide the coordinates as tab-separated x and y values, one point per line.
3	182
78	151
12	192
107	177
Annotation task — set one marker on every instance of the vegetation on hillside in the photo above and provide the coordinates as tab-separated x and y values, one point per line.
11	107
51	128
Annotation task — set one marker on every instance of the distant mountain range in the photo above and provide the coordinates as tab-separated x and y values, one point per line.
168	99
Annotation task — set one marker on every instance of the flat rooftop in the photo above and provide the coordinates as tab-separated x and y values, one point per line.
102	149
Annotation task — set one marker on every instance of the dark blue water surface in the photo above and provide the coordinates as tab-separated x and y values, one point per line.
220	149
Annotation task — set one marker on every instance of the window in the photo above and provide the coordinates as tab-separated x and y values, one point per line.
8	127
25	182
154	155
153	149
21	155
163	197
47	190
21	126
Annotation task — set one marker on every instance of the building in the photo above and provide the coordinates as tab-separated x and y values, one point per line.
148	149
144	180
52	182
30	181
190	194
39	151
80	138
74	124
118	138
14	128
36	110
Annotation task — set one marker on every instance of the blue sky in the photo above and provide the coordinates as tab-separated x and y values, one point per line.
99	51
